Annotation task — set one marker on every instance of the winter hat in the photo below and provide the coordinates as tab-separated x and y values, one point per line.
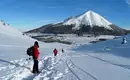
36	43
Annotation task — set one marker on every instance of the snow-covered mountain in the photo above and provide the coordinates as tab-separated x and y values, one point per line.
88	22
88	18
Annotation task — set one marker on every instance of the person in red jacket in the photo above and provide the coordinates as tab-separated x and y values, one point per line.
55	52
35	57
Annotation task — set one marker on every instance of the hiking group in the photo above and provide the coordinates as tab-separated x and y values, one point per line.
34	52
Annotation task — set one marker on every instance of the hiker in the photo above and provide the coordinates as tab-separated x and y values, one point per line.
62	50
124	40
55	52
35	57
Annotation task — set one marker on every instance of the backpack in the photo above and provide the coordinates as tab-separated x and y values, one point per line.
30	51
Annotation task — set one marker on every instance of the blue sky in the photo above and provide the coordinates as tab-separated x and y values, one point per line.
27	14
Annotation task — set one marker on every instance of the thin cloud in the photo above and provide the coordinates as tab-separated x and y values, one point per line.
128	2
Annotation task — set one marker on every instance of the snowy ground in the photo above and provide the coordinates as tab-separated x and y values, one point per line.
79	62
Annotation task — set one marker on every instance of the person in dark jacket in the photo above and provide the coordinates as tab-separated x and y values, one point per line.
35	57
124	40
62	50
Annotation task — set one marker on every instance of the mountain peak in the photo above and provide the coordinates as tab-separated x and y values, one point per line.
88	18
90	11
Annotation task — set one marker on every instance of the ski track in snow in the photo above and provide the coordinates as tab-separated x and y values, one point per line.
71	66
21	69
87	73
112	63
120	65
72	72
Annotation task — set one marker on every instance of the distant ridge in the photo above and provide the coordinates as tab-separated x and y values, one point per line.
8	30
89	22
